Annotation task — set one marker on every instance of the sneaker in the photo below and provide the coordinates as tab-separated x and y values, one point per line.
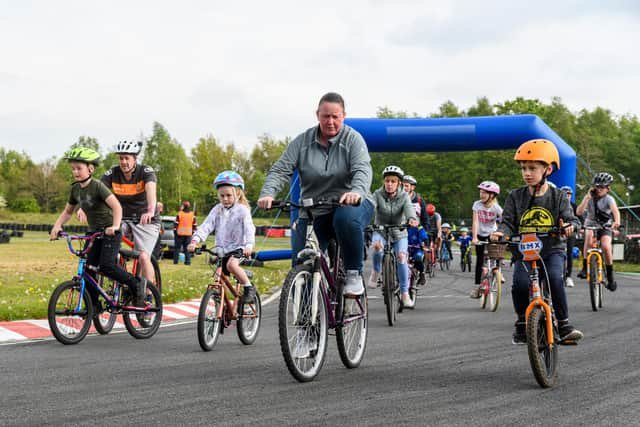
353	285
475	292
568	332
612	285
304	344
373	283
422	279
520	333
406	301
248	295
582	274
569	282
140	292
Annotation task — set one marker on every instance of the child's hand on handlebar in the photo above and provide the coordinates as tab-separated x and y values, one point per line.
191	247
495	236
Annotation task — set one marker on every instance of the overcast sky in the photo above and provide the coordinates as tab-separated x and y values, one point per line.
238	69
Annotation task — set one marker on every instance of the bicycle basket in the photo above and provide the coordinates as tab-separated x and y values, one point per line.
495	250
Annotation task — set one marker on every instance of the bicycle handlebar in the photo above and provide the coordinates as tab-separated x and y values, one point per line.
306	204
80	252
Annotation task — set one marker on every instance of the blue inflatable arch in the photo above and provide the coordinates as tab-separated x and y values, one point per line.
465	134
454	134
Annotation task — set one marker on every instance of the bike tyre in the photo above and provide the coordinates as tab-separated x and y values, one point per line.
389	283
484	291
137	323
543	360
594	287
103	317
73	331
495	290
352	331
248	324
303	369
209	326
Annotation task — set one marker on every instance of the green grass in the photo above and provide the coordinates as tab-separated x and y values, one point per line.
32	266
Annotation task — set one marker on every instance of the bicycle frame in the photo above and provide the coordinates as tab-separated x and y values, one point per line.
595	250
224	286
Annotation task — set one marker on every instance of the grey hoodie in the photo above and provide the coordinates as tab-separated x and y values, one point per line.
397	210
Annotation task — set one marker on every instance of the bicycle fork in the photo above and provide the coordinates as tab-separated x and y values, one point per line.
537	301
595	253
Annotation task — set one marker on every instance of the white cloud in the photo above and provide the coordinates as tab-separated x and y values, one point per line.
240	69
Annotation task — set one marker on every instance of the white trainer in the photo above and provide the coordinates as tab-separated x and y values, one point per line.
406	301
569	282
353	285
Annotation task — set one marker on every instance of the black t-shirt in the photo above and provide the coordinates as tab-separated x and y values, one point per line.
131	193
92	200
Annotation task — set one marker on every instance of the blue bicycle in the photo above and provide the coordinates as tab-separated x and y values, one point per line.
445	257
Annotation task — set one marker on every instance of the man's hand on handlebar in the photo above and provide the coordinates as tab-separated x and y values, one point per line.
265	202
350	198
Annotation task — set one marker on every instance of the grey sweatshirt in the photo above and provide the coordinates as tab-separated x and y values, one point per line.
545	213
397	210
344	166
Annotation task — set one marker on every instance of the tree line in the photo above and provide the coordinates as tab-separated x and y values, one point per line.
603	140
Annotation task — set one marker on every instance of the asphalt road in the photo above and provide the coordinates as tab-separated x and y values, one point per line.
445	363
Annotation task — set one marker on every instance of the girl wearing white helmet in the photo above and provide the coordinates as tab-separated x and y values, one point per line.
232	224
486	213
393	206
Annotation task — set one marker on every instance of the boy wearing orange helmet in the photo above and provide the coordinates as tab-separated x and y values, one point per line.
538	206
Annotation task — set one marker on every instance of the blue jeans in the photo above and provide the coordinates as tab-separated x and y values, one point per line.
346	224
554	264
399	246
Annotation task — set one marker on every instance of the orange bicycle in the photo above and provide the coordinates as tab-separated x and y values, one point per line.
222	303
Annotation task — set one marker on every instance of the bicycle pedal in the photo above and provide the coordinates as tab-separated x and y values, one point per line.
568	342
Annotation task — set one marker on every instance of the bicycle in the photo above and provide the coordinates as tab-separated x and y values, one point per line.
390	284
218	310
445	257
595	268
71	309
430	259
312	302
491	277
542	333
105	319
465	258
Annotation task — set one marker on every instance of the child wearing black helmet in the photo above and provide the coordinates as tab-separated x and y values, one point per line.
601	210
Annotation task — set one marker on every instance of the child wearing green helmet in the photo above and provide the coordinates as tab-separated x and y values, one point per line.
104	213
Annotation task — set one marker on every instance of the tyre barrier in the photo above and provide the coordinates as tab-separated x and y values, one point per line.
4	237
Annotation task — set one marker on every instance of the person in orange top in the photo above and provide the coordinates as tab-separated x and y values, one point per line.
183	229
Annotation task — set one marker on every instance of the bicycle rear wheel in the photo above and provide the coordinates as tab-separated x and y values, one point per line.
543	358
595	290
248	323
495	289
351	332
389	283
69	313
302	330
156	271
104	318
484	291
142	325
209	326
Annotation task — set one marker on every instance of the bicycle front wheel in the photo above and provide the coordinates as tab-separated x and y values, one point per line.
70	313
351	332
209	326
302	324
248	323
144	324
389	283
543	358
495	290
594	286
156	271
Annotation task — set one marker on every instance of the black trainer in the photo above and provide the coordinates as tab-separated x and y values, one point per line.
249	294
582	274
611	284
520	333
568	332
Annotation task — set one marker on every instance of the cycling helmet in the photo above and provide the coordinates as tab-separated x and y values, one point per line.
464	229
445	225
431	209
83	154
602	179
490	187
129	147
566	189
232	178
411	180
538	150
393	170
